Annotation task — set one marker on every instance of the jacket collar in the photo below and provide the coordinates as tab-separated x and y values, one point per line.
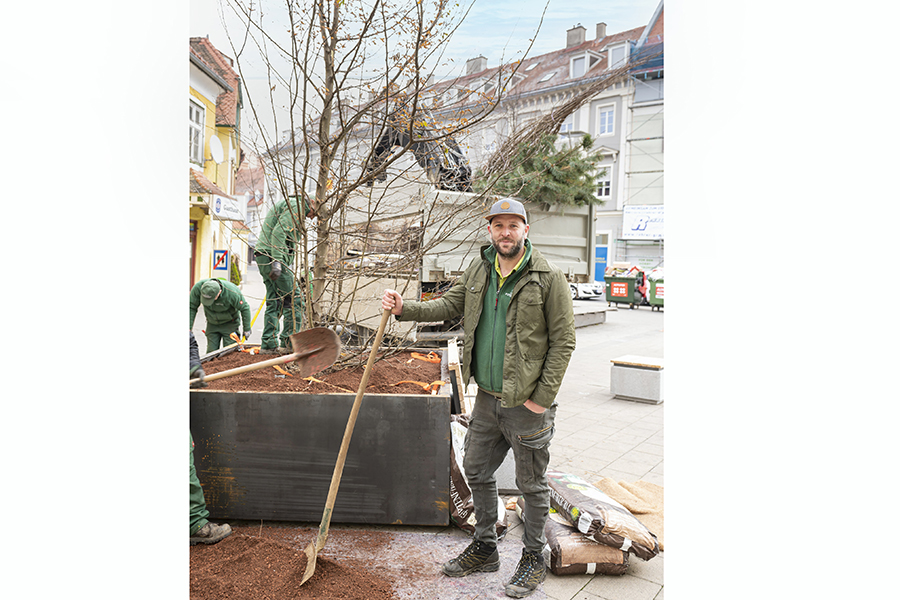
537	262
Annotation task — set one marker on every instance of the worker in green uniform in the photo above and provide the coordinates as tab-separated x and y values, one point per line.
275	256
225	310
202	531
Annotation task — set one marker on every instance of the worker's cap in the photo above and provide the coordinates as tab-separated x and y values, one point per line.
507	206
209	291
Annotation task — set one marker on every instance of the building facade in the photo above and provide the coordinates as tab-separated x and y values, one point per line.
625	121
216	215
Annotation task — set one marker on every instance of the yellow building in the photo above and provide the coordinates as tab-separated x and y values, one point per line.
216	214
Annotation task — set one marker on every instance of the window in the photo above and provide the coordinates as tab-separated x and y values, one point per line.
577	67
532	65
617	56
605	119
195	145
547	77
604	187
568	125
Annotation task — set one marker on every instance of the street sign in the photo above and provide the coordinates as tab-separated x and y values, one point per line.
221	262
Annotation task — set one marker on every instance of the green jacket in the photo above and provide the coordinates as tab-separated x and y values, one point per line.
226	309
280	233
539	336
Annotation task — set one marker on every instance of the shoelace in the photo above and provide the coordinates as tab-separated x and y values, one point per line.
525	569
473	551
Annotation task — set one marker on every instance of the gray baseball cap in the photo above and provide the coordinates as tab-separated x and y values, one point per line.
507	206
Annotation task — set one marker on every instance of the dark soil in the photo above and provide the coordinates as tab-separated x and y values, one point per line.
385	378
257	563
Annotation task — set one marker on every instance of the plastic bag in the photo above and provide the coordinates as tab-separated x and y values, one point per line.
571	553
462	509
599	517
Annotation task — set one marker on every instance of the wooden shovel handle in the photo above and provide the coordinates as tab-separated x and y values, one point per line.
348	432
259	365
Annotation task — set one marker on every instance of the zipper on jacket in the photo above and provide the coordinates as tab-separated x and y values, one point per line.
494	337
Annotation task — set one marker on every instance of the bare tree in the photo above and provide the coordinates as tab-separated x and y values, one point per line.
368	142
358	146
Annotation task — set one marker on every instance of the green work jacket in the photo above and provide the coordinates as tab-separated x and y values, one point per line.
227	307
280	232
539	336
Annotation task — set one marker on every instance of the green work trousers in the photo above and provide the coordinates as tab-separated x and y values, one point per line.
280	303
219	335
199	514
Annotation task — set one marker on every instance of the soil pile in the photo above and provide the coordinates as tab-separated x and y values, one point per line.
246	567
385	378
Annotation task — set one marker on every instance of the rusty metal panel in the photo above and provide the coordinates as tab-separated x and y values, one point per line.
272	455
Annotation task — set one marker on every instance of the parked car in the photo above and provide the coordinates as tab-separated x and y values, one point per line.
586	290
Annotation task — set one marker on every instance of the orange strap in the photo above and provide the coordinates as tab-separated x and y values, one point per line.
430	357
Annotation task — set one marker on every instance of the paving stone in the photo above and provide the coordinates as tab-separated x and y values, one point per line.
650	570
624	587
650	448
637	469
564	587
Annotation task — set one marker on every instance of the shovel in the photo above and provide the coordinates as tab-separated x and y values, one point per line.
317	544
314	349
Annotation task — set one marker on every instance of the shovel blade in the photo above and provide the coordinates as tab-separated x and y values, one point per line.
324	341
310	562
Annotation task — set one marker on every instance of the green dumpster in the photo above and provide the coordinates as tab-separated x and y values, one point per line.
656	294
622	290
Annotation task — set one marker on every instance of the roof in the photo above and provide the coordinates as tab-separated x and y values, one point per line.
652	44
548	71
249	179
200	184
227	103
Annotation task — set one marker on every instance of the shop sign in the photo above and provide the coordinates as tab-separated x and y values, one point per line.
643	222
226	209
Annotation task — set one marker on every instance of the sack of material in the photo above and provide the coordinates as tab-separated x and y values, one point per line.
462	509
599	517
571	553
642	498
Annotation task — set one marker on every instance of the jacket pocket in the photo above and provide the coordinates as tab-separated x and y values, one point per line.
531	323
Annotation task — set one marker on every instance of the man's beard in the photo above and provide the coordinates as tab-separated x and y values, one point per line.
513	252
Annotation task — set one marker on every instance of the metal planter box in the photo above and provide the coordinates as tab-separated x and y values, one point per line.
271	456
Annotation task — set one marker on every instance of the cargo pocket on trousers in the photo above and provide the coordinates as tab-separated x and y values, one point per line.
538	439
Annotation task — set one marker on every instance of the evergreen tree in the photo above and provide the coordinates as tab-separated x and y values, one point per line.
547	175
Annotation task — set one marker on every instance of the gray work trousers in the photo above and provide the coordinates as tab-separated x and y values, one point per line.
492	431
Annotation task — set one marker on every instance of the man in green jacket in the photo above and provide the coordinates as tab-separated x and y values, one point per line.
519	336
274	256
225	310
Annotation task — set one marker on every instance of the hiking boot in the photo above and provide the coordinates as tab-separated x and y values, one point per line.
477	557
211	533
286	350
530	572
268	350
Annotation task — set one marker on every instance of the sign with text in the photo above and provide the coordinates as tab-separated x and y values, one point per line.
643	222
226	209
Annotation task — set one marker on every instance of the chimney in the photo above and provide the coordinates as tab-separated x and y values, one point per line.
601	31
575	36
476	65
